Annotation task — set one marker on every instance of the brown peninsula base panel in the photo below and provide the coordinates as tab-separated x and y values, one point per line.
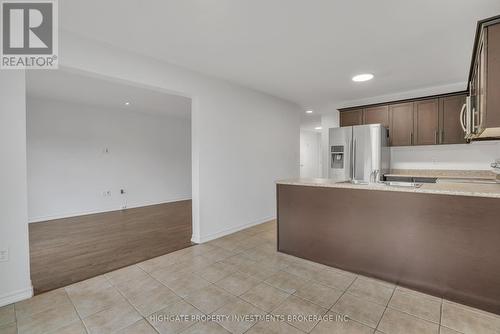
65	251
447	246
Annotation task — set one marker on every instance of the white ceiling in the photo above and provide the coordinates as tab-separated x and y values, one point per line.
77	88
303	51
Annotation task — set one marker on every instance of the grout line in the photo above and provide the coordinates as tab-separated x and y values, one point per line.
336	302
386	307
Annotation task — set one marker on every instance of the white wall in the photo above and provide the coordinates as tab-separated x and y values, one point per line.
15	283
475	156
310	154
68	170
243	140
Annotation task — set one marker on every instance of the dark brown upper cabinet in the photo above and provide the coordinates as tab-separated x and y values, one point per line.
423	121
426	122
401	128
351	117
376	115
482	120
450	130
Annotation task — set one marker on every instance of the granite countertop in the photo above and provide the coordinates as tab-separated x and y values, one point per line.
443	174
456	189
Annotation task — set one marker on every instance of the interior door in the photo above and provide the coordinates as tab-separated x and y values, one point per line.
310	143
426	122
401	131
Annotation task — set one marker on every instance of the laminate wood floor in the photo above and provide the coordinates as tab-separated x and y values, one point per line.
65	251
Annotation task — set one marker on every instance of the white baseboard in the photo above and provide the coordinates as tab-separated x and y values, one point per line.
16	296
91	212
204	238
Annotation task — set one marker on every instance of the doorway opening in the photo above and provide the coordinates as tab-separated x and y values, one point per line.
109	175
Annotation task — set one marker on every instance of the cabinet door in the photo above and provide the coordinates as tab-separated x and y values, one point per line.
377	115
401	124
351	117
426	122
450	129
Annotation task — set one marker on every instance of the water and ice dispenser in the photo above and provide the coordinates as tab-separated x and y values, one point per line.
337	152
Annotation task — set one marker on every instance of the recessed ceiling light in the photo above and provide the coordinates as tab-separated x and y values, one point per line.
362	77
127	103
318	128
309	111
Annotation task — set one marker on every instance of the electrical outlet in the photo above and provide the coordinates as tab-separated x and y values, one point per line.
4	255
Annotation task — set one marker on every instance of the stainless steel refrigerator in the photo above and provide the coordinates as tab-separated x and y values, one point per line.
359	153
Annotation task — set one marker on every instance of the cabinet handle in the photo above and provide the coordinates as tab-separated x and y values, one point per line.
411	138
436	137
442	137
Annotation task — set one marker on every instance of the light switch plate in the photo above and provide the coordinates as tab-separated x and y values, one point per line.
4	255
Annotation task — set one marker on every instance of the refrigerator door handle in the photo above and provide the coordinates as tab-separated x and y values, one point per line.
462	122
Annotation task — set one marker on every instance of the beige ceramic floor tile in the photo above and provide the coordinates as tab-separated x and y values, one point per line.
133	273
216	271
417	304
359	309
303	269
372	290
238	283
167	321
159	262
259	271
48	320
112	319
200	249
41	303
184	286
265	297
319	294
7	315
153	299
395	322
171	273
273	327
93	297
9	329
467	320
133	288
334	279
300	313
286	281
75	327
210	298
240	261
241	316
206	327
140	327
218	254
336	324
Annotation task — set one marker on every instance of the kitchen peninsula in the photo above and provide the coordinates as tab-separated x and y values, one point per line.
442	239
